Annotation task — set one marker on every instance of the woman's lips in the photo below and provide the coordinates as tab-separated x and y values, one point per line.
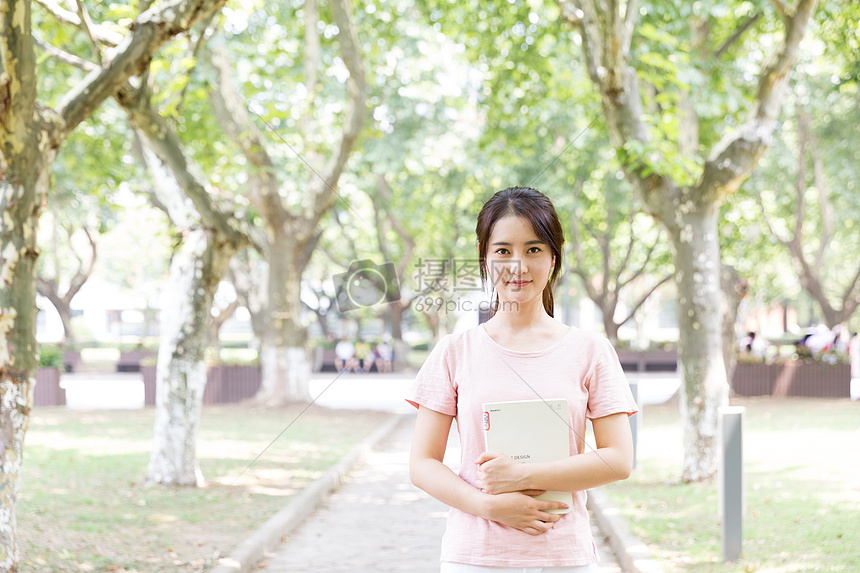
518	283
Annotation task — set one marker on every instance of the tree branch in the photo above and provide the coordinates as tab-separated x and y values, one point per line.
84	269
409	243
823	201
631	10
385	195
233	117
810	278
607	61
645	297
782	9
99	33
735	156
768	223
574	229
169	149
356	89
738	33
582	15
800	182
195	55
86	26
65	57
377	226
641	270
224	314
313	64
149	32
849	303
627	254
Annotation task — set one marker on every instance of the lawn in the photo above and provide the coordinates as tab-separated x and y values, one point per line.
802	490
83	506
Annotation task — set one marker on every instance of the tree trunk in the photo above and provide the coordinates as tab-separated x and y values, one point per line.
400	347
218	321
210	239
286	365
181	373
734	289
48	289
704	388
65	312
21	193
610	326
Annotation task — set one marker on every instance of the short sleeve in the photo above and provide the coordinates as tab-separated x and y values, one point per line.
434	386
608	389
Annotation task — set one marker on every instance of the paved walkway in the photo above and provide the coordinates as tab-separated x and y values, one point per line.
378	522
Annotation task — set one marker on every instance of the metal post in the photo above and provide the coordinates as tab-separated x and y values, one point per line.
635	419
731	480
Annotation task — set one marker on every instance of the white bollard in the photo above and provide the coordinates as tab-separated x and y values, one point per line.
635	419
731	480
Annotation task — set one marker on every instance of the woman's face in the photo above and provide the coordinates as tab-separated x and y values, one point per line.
518	262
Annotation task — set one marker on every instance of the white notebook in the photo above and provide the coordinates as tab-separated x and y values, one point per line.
530	431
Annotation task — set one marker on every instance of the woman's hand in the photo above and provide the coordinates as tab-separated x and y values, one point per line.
523	512
498	473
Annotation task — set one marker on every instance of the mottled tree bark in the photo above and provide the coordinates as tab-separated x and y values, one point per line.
734	290
704	388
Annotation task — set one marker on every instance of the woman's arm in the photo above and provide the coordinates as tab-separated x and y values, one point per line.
427	472
612	461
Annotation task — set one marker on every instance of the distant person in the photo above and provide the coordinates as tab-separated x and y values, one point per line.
854	358
758	346
820	339
745	344
386	354
344	355
363	355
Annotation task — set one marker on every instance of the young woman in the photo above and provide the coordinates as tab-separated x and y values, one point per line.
521	353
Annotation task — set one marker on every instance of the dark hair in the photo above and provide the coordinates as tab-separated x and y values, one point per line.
538	210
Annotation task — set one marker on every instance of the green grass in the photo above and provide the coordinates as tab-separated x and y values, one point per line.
100	356
238	355
83	506
802	491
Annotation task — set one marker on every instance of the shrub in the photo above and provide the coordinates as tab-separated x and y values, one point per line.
50	356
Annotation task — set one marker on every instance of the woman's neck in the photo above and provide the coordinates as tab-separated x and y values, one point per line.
523	318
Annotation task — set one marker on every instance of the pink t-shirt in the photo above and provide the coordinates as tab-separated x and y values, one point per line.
469	368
